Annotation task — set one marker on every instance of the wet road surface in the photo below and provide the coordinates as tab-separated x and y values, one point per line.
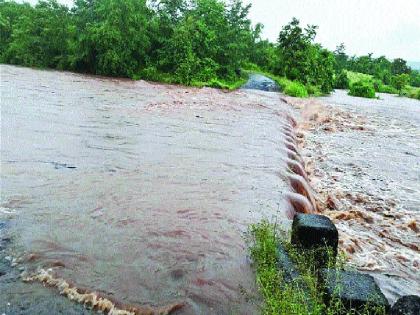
139	192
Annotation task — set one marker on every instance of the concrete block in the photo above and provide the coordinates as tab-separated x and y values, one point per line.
356	290
315	232
406	305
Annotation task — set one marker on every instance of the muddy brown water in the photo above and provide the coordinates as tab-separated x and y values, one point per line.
140	192
363	156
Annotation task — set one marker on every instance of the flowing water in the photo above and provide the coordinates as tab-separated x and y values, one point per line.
363	158
140	192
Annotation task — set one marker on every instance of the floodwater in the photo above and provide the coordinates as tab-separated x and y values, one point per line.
139	192
363	160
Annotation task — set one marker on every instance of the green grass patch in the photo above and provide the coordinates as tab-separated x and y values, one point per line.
387	89
296	89
356	76
300	297
411	92
222	84
288	87
152	74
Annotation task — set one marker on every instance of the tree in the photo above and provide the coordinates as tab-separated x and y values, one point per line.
399	66
340	58
115	40
400	81
38	37
302	60
415	78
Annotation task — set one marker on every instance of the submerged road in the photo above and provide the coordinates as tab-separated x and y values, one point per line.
135	191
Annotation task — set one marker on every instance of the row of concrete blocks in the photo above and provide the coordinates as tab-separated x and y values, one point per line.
357	291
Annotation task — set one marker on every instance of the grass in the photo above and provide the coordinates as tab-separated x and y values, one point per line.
288	87
152	74
356	76
411	92
222	84
299	297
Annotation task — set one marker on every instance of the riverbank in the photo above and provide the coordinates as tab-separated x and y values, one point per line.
362	158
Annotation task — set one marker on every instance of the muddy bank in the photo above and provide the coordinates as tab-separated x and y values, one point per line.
136	193
363	160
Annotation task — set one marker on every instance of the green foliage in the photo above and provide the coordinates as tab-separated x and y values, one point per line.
37	36
299	59
313	90
383	74
399	66
292	88
411	92
357	76
296	89
415	78
193	42
172	41
362	88
301	296
387	89
342	81
400	81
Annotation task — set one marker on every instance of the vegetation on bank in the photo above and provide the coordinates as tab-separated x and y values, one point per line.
280	297
191	42
381	74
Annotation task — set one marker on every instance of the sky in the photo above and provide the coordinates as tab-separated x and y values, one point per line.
383	27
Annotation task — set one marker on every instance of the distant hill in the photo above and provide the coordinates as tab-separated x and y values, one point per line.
414	64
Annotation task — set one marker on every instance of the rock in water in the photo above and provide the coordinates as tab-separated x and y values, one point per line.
357	291
407	305
315	232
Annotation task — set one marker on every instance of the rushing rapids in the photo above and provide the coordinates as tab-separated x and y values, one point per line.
363	160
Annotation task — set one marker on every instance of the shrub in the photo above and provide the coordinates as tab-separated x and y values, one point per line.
301	296
313	90
400	81
377	85
411	92
295	89
341	81
388	89
362	89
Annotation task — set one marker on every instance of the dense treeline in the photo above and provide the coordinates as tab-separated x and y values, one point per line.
382	75
181	41
184	41
193	42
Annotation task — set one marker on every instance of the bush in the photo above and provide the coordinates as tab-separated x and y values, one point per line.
342	81
313	90
362	89
387	89
411	92
300	296
296	89
400	81
377	85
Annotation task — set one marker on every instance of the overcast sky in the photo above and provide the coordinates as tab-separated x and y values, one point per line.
384	27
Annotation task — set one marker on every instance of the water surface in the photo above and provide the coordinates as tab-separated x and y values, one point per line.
139	191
